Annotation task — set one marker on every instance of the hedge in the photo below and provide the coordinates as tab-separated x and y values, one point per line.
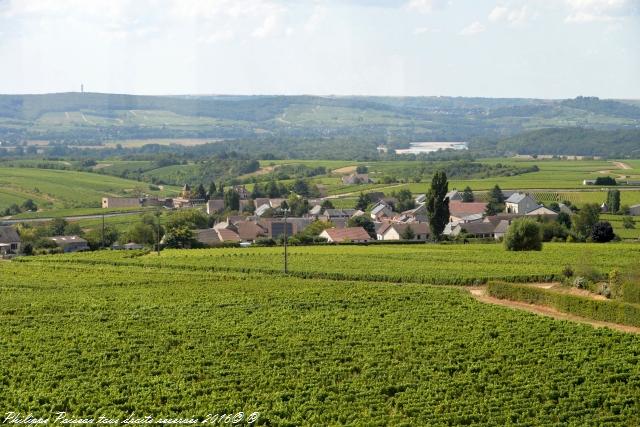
606	311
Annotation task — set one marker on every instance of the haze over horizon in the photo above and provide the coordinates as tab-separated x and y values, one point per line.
490	48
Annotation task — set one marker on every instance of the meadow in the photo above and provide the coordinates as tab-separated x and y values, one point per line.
111	333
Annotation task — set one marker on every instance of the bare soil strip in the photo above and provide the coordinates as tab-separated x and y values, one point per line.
621	165
480	293
345	170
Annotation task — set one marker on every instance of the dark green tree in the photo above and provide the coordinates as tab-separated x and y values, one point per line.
231	200
564	219
200	193
326	204
602	232
467	195
213	191
613	200
29	206
437	204
495	204
57	227
408	234
363	202
362	169
179	237
364	222
585	219
523	235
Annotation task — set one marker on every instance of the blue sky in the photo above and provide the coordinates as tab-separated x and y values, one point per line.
494	48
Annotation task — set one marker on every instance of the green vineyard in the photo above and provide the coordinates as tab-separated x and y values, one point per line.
108	340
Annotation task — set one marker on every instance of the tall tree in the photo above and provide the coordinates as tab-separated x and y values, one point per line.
585	219
364	222
437	204
613	200
363	202
467	195
200	192
213	192
495	204
232	200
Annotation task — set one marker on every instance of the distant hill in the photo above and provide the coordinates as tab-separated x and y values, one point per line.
574	141
92	118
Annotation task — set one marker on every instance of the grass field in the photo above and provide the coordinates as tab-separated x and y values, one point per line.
64	189
109	338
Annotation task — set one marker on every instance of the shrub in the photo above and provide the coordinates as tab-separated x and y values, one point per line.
523	235
602	232
580	282
567	271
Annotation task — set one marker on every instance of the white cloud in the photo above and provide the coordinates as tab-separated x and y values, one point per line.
498	14
472	29
584	11
425	6
514	16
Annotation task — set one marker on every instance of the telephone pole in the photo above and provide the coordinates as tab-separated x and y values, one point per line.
286	266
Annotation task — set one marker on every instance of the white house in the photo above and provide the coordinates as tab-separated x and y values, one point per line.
520	203
394	231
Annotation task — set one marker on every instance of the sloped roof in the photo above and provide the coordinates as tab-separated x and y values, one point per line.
417	227
461	209
502	226
226	235
316	210
542	211
478	227
248	230
517	198
61	240
9	235
350	233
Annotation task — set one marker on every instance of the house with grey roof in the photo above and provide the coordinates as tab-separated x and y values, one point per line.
520	203
9	241
70	243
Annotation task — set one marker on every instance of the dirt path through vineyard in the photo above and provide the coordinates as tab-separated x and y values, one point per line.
480	293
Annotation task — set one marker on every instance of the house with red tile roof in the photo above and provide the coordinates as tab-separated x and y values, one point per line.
349	234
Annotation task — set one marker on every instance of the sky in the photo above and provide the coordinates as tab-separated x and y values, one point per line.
489	48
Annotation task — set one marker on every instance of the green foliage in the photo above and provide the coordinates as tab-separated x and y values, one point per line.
363	202
437	204
628	222
190	218
405	200
467	195
95	237
231	200
602	232
585	219
179	237
408	234
605	180
141	233
495	201
362	169
613	200
523	234
364	222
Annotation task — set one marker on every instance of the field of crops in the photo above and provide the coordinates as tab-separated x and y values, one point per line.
428	263
94	339
63	189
